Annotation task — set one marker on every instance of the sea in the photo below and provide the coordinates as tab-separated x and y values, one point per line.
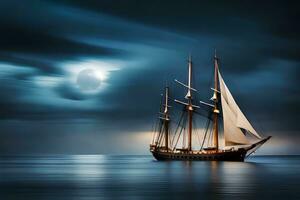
93	177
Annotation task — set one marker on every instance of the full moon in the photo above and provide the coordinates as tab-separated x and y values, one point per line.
88	80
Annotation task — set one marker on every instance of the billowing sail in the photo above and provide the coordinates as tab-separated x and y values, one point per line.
234	120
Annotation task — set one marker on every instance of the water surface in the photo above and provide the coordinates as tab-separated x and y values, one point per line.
141	177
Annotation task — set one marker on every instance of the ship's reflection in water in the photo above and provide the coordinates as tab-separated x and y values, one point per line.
140	177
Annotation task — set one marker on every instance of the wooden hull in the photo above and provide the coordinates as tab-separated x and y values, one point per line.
232	155
237	155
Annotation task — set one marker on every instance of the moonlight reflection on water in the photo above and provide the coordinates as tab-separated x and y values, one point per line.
140	177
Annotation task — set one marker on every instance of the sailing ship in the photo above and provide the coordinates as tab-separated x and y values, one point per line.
240	138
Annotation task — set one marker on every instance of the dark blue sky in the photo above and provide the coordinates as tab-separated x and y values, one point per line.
135	46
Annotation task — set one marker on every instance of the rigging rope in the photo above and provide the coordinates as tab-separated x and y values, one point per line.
161	136
196	131
180	120
182	127
205	134
159	133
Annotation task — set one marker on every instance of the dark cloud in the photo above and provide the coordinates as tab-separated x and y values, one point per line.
42	51
213	17
52	47
69	91
247	33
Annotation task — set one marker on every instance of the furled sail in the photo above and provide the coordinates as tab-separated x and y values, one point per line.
234	120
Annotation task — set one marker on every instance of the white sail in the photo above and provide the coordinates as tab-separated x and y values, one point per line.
234	119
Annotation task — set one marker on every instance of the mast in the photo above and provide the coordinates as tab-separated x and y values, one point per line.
167	119
215	109
190	106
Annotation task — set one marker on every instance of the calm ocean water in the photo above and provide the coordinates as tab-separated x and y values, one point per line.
140	177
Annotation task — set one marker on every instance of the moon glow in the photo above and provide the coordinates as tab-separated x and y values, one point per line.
87	80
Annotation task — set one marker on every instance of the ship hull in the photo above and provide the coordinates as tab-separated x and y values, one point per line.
230	155
238	155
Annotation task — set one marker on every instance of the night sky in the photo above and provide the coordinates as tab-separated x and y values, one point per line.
135	47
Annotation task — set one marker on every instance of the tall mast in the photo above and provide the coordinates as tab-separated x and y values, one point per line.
167	119
190	105
216	110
